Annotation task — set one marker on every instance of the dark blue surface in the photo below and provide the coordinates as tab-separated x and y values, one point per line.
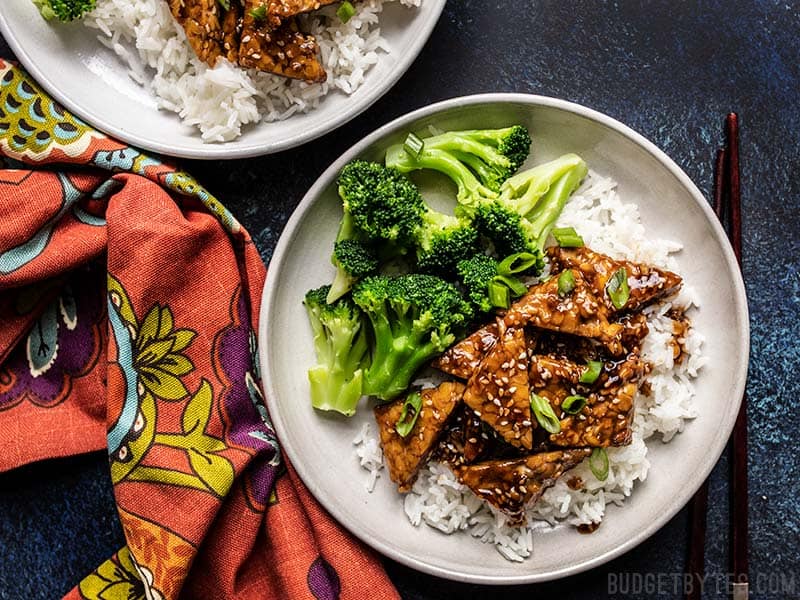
669	70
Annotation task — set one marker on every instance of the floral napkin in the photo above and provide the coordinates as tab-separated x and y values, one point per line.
128	315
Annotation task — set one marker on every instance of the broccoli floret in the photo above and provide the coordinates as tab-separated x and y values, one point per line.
414	318
64	10
353	260
494	154
478	161
342	352
442	241
476	273
384	207
529	204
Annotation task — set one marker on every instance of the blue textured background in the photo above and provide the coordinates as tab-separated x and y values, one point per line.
670	70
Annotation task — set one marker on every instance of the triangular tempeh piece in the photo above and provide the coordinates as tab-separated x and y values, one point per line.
608	415
511	485
283	51
461	359
200	20
577	312
646	283
405	455
498	390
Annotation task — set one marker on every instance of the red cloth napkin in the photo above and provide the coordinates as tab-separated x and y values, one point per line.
128	305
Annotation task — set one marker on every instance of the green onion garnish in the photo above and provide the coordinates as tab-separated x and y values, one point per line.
617	288
592	372
566	282
516	263
499	295
345	11
572	405
567	237
544	414
598	463
226	4
413	145
406	421
259	13
512	283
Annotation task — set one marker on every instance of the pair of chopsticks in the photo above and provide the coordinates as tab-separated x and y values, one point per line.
727	206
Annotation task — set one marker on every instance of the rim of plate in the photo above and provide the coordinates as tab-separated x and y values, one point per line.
234	149
717	444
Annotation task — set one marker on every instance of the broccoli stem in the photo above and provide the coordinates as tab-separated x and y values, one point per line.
543	218
468	185
397	356
330	390
340	342
524	190
465	145
342	281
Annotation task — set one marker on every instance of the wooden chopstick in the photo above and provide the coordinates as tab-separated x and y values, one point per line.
739	503
698	507
727	206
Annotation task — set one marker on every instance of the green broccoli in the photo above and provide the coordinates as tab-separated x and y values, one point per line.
384	205
64	10
353	260
478	161
342	352
476	274
385	208
414	318
442	241
529	204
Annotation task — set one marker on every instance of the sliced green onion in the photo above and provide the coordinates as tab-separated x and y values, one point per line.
345	11
598	463
516	263
567	237
617	288
499	295
259	13
413	145
566	282
572	405
592	372
226	4
512	283
544	414
406	421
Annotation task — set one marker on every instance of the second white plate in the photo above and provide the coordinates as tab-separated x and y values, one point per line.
92	82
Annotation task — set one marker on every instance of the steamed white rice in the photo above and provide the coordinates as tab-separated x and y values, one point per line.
223	100
607	225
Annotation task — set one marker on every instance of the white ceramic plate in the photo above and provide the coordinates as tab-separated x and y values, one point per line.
91	81
320	445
